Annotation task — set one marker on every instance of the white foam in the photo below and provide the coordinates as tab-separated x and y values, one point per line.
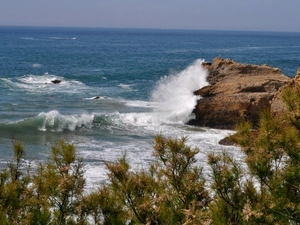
145	120
55	121
96	152
27	38
141	104
58	38
174	93
139	152
44	83
97	98
5	82
36	65
125	86
43	79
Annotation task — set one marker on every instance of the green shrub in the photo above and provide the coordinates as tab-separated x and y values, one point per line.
263	189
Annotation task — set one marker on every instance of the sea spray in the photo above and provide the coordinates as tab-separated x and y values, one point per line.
174	93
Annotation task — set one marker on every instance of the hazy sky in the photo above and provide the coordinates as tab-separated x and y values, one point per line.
268	15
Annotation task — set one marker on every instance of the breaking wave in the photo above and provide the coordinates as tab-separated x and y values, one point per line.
50	121
54	121
174	93
172	102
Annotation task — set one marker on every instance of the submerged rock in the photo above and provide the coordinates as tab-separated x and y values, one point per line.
236	92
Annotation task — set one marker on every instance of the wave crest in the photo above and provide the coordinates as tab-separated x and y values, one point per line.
54	121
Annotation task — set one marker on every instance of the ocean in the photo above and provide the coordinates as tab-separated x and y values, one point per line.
119	88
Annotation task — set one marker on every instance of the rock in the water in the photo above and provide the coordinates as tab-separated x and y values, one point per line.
56	81
99	97
237	92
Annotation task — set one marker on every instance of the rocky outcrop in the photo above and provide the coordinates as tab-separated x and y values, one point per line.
277	104
236	92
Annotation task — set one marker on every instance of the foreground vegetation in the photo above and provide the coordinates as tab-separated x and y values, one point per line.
264	189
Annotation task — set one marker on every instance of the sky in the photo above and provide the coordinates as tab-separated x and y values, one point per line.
256	15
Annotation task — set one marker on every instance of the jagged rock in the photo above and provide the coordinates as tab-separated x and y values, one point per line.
236	92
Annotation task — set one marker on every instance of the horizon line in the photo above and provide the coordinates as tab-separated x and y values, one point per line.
146	28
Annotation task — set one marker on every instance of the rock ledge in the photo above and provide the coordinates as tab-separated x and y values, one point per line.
236	92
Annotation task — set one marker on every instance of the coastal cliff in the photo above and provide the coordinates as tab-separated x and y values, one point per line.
236	92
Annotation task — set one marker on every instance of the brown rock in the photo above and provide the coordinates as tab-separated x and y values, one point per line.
277	104
236	92
297	78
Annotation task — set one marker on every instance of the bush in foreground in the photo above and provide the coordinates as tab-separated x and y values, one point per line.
264	189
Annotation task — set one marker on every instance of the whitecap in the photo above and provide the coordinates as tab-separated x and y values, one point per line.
55	121
125	86
27	38
46	83
36	65
5	82
58	38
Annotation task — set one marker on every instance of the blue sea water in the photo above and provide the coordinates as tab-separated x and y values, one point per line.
119	87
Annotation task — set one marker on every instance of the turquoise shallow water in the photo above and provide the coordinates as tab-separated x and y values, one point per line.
143	81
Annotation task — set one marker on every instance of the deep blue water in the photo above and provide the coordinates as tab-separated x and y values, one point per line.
144	80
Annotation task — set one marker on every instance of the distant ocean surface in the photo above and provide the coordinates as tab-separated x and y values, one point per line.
119	88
